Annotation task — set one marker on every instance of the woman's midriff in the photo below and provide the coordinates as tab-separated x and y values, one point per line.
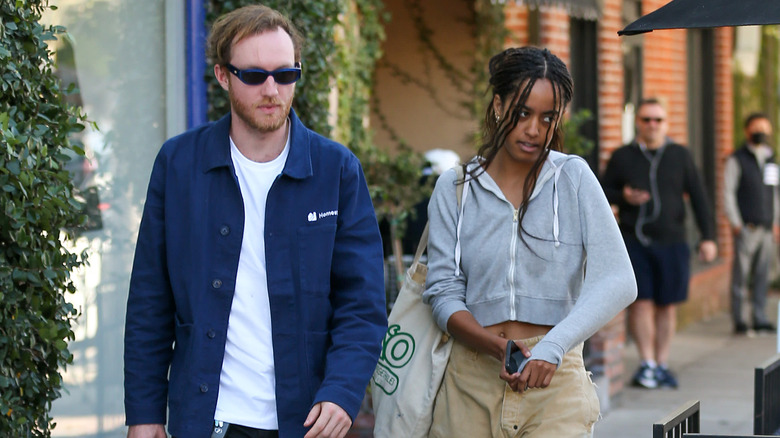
518	330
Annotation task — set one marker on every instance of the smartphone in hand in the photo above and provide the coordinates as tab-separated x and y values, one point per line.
514	357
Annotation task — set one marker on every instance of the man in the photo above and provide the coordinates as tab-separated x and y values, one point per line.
256	300
751	202
647	180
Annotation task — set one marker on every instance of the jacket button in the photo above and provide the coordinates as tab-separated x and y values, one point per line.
216	284
204	387
224	230
211	334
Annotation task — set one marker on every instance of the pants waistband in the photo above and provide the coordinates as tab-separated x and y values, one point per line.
239	431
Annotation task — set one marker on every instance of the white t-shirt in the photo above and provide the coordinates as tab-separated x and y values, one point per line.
247	383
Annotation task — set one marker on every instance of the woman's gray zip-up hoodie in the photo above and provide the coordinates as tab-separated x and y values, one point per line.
570	268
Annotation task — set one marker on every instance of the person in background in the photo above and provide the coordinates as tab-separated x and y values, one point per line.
508	268
648	181
751	202
256	306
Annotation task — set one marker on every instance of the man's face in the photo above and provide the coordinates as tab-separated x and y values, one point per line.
651	125
263	107
756	126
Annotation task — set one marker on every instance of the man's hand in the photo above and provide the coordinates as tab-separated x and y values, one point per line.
147	431
327	420
776	233
635	196
708	250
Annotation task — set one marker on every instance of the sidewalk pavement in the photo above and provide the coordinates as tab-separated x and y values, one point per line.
712	366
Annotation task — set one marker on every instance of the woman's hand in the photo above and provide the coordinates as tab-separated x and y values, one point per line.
536	374
514	379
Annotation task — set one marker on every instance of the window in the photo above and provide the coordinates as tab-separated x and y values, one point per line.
123	57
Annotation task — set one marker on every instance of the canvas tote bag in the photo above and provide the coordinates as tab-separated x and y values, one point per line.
414	355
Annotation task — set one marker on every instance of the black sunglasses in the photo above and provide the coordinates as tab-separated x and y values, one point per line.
653	119
257	76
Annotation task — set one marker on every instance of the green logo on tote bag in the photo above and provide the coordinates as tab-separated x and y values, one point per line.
397	351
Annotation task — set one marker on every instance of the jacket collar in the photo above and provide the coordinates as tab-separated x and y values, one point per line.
298	165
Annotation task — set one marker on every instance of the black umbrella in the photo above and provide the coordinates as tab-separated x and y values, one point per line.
683	14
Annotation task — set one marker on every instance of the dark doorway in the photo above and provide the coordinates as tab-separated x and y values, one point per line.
701	104
584	70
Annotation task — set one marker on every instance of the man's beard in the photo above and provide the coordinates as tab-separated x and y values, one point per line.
248	114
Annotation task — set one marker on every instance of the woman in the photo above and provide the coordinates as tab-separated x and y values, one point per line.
510	263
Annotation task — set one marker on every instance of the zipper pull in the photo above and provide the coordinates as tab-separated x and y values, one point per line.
516	213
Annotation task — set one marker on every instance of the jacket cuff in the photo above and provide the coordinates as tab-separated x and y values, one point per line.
344	399
144	415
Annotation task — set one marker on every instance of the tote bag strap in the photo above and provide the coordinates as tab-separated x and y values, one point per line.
459	170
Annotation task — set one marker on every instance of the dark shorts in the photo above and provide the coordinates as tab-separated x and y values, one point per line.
662	271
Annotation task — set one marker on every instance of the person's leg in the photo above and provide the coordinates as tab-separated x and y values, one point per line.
642	322
763	257
674	261
739	274
641	319
665	327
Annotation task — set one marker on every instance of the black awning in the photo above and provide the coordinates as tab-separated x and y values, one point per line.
685	14
585	9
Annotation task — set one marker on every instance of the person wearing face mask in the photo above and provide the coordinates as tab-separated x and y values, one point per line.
751	202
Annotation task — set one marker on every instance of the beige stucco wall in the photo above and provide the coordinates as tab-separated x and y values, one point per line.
429	116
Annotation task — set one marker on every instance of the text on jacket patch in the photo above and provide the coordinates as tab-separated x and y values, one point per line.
313	215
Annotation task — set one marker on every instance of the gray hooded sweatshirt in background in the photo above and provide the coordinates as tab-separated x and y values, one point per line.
569	269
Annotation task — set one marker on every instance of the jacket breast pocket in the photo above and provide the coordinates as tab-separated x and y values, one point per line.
315	245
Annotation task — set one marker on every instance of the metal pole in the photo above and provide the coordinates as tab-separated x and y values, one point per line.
196	63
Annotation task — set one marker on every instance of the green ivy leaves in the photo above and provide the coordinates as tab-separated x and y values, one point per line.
37	204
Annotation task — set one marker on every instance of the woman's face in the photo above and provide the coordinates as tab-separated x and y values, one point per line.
533	131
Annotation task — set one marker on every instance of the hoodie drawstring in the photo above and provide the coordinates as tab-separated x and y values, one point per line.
555	204
457	230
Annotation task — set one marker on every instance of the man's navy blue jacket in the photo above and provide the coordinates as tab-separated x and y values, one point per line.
325	281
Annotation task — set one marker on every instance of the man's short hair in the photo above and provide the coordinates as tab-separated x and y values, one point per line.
243	22
651	101
755	116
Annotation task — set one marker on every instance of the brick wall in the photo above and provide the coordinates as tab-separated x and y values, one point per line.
610	70
665	77
554	31
605	354
516	22
709	289
607	345
724	134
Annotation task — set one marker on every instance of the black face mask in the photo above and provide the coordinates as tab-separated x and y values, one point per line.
759	138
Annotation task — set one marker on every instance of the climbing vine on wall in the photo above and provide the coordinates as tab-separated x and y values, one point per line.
469	83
